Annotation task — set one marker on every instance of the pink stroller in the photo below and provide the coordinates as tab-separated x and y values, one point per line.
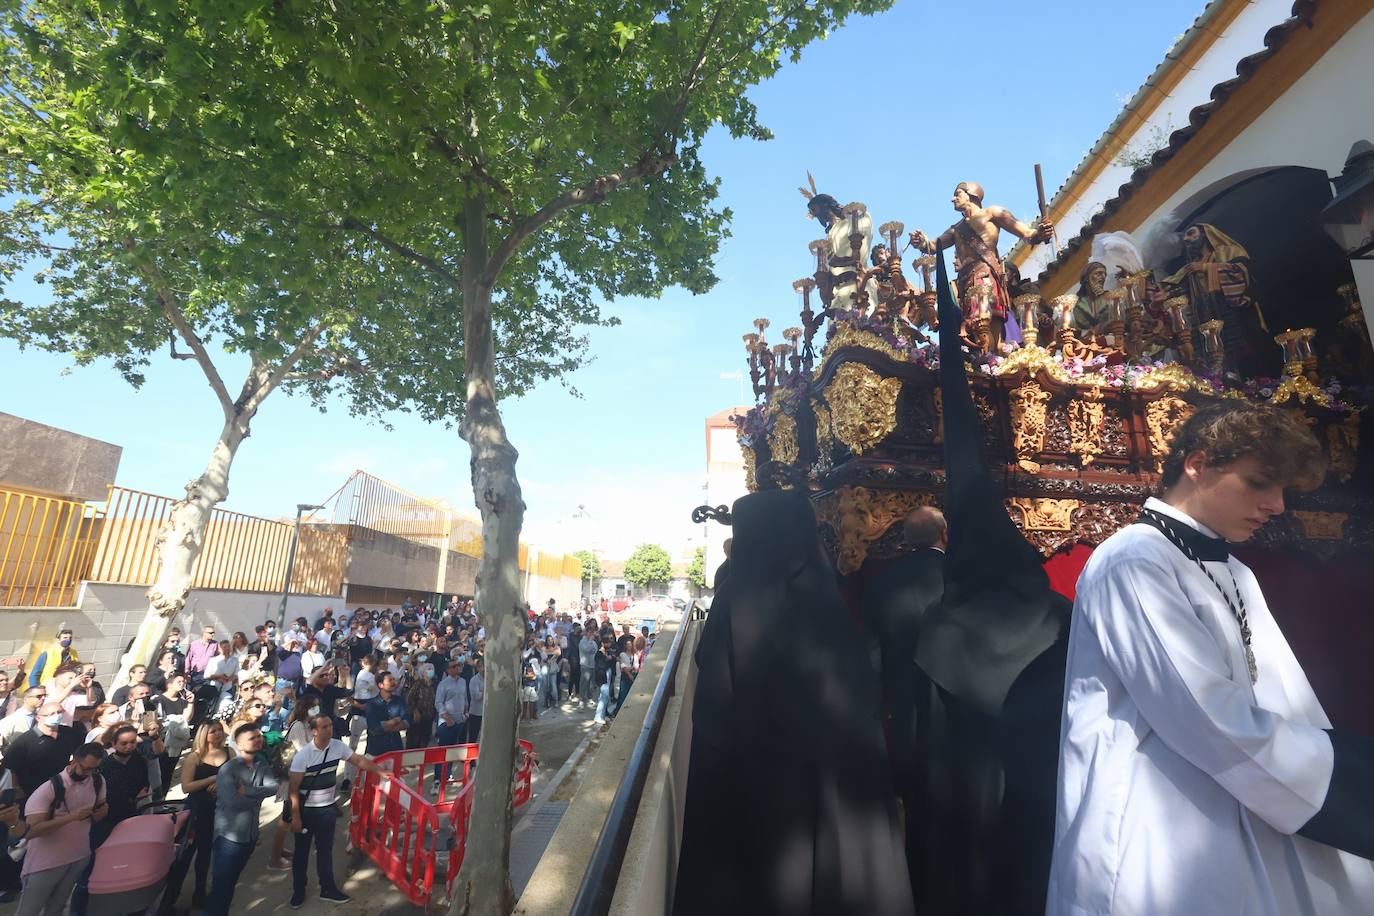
140	867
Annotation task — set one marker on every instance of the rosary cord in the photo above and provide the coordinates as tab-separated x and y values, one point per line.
1237	607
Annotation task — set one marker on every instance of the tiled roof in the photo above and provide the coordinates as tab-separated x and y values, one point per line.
1245	69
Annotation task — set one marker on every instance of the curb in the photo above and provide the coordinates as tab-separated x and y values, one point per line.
547	791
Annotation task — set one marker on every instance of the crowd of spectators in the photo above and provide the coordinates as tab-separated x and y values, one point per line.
233	721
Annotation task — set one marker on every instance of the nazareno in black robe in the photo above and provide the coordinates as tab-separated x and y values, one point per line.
789	805
989	672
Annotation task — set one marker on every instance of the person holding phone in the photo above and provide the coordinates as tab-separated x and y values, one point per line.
59	815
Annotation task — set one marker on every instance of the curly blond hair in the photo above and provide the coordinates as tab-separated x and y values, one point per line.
1232	430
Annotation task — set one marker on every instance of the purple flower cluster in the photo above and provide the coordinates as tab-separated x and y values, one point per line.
753	426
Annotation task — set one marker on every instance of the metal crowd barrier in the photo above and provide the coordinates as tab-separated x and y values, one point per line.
405	832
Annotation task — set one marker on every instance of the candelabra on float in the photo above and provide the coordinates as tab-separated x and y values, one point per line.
1299	359
1063	321
928	312
1211	342
825	281
792	335
1028	313
1116	323
1182	333
761	369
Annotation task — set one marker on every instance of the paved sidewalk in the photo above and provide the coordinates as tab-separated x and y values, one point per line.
555	735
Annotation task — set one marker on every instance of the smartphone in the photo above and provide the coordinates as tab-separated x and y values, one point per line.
7	797
149	722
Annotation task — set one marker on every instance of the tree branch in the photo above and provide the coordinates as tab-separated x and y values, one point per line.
172	345
342	365
283	368
653	161
471	164
177	317
405	251
592	192
689	82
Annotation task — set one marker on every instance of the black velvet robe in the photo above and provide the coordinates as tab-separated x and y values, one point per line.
988	687
790	808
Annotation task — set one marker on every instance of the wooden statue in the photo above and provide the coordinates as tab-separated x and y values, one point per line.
981	279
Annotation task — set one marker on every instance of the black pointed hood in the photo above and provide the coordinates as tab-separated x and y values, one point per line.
999	611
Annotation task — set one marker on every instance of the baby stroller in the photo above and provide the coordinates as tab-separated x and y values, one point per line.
141	866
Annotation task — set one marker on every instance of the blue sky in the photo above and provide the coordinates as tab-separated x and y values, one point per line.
892	110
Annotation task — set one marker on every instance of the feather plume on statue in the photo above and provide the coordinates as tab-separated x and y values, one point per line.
809	194
1116	250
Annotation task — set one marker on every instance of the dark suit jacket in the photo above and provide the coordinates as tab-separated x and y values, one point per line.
894	603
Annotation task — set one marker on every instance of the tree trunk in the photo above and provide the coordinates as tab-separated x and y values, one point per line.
483	886
178	546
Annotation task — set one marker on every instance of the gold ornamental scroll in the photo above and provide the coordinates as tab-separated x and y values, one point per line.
782	442
1046	514
1028	407
863	406
1161	418
1086	413
1321	526
859	516
750	483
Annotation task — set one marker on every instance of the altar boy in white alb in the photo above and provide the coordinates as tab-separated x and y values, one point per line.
1198	774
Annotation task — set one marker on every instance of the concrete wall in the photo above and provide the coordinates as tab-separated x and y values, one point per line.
49	460
387	561
109	615
645	886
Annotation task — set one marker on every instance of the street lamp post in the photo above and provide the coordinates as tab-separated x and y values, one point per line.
291	562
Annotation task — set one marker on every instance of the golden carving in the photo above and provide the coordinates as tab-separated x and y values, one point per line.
1028	423
843	334
1086	414
1321	526
782	441
863	406
1046	514
749	482
1344	440
859	516
825	436
1299	388
1160	419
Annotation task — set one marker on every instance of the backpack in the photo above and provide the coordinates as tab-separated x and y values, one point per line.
59	791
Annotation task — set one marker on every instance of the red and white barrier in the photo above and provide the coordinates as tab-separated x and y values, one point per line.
405	832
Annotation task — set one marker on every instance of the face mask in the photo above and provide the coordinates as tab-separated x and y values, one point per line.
77	777
66	641
314	711
53	721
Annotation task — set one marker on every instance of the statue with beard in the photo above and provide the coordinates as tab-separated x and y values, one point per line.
1091	314
846	264
1216	279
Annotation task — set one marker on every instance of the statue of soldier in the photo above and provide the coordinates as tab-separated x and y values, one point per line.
981	276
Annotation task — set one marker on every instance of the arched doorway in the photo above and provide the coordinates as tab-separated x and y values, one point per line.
1295	268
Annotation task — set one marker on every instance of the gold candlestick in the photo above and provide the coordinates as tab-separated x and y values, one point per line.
1211	341
1063	319
1027	309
